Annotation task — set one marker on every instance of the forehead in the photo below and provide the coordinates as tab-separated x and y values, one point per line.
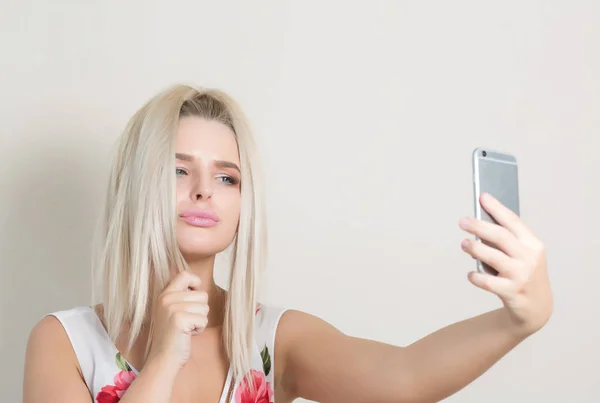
206	139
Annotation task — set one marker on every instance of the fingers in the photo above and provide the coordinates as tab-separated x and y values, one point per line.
504	216
191	307
190	323
185	307
185	296
502	287
188	301
185	310
494	234
184	281
505	265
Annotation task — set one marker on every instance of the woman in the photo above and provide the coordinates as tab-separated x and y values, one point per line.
185	185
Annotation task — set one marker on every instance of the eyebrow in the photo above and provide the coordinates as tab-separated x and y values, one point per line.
218	163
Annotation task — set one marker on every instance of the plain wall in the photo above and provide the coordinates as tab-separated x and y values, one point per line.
366	114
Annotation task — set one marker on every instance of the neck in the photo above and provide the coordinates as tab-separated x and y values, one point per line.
204	268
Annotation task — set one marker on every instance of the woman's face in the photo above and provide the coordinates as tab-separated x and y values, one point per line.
208	187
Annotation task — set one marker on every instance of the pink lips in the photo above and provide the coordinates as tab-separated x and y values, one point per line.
200	218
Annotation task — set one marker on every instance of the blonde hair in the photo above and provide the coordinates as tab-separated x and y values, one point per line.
136	242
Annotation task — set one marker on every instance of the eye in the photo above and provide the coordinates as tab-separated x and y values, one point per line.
180	172
228	180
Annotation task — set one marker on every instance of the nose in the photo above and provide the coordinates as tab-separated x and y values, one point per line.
203	190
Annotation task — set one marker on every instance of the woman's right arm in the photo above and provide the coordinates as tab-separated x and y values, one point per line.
52	373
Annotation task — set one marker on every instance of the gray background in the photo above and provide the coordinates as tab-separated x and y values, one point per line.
366	114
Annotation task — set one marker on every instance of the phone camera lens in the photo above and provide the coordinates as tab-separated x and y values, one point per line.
484	153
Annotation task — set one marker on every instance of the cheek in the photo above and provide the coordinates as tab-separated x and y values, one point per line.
230	205
226	197
181	193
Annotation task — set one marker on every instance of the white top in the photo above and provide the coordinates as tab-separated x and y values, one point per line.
108	375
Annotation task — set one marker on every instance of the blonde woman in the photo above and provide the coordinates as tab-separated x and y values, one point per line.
184	186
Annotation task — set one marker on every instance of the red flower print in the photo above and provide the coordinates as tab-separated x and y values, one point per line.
112	394
122	381
108	394
261	393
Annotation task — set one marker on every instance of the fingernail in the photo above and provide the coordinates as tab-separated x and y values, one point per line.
464	244
464	223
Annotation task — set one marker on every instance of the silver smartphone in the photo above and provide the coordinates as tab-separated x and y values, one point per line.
496	173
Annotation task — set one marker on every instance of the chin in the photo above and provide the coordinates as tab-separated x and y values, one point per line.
194	250
202	243
195	256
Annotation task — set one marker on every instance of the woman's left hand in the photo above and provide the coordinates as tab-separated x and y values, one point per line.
520	258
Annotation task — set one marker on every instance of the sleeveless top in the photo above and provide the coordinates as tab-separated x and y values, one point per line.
108	375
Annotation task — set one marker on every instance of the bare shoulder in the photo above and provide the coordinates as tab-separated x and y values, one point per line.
321	363
299	331
48	337
295	325
301	337
52	372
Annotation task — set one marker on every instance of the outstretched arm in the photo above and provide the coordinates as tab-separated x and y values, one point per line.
320	363
325	365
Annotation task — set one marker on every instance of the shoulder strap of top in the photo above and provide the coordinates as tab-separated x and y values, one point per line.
88	338
267	320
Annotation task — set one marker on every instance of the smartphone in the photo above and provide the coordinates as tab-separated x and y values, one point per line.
496	173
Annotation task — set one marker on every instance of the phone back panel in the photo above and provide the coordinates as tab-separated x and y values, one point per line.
496	173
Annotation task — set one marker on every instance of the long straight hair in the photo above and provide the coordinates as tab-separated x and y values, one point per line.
136	246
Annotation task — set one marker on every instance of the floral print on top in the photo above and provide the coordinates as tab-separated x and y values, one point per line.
262	392
262	379
124	378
